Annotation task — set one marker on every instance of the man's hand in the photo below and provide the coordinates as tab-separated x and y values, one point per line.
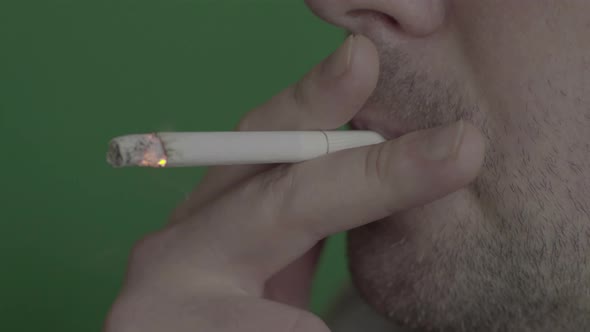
239	254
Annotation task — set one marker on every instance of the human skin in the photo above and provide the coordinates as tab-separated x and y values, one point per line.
483	241
511	250
239	253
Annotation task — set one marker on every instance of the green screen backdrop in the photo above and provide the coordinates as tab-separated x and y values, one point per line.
73	74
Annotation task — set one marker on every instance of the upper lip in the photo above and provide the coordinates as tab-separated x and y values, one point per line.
378	27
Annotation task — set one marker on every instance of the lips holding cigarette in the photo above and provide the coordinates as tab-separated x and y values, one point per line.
186	149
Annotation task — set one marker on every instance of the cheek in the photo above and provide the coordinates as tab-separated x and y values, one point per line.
511	45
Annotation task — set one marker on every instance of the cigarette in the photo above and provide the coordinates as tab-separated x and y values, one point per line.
191	149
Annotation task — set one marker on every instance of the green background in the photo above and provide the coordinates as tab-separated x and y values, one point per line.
75	73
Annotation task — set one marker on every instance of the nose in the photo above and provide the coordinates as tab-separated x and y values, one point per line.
412	17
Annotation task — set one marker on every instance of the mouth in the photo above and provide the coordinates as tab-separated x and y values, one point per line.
385	127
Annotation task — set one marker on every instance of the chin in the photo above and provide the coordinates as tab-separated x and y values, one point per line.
419	268
448	266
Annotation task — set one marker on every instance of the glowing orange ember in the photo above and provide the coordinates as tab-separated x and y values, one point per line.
154	155
152	159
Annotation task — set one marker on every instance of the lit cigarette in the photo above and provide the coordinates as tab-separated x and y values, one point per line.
177	149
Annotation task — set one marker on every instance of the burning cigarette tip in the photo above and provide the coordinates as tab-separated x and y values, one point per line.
137	150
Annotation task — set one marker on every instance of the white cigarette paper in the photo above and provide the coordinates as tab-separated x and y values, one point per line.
185	149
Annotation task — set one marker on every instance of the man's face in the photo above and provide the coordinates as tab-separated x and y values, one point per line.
511	251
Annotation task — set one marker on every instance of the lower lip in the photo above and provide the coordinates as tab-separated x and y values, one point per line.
387	133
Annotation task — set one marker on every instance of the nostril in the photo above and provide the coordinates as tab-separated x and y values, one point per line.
405	19
372	15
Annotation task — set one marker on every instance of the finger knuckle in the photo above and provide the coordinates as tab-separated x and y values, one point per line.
378	162
278	186
301	95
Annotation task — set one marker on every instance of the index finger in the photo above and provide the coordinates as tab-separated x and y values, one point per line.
319	101
262	226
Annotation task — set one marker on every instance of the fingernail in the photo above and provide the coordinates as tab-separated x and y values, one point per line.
339	62
442	143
